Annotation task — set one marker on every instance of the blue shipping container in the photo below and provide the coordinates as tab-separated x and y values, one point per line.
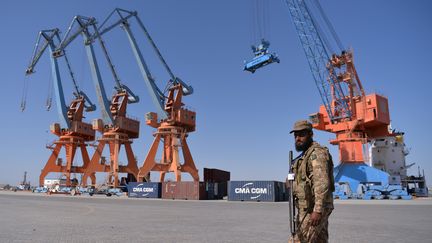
266	191
144	189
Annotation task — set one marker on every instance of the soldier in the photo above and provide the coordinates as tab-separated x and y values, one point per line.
313	186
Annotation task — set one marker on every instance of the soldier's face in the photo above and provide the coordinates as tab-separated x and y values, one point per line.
303	139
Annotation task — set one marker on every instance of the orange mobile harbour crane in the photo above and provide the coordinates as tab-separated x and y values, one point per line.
172	120
173	131
356	118
116	128
369	119
73	133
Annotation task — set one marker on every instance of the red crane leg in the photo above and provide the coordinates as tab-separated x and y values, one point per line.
70	155
86	163
94	164
51	165
132	167
175	164
114	154
189	165
149	161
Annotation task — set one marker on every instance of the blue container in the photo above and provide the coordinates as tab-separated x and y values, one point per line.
144	189
266	191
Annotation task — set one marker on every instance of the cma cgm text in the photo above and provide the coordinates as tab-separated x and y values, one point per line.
247	190
142	189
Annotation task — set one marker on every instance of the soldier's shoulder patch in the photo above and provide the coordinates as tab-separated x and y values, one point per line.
319	154
313	156
320	150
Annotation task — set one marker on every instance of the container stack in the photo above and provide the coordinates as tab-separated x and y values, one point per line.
216	183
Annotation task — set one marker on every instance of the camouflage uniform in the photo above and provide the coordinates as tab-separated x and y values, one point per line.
313	187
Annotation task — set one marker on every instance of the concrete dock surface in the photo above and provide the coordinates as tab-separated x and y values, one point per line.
30	217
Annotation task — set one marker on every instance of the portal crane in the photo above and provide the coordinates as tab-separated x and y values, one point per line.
347	111
117	129
172	120
73	133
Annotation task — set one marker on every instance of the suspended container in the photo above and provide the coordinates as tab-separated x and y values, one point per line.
262	57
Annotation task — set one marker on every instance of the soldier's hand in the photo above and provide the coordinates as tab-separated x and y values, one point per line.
315	218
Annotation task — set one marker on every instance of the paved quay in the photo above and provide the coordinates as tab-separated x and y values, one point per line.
28	217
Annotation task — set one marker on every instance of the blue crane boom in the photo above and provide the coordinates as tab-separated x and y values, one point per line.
49	37
84	24
318	57
156	94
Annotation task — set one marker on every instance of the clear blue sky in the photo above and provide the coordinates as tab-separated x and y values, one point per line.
243	120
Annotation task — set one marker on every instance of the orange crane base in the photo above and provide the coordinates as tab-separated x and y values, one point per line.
70	143
173	138
173	132
71	138
114	140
